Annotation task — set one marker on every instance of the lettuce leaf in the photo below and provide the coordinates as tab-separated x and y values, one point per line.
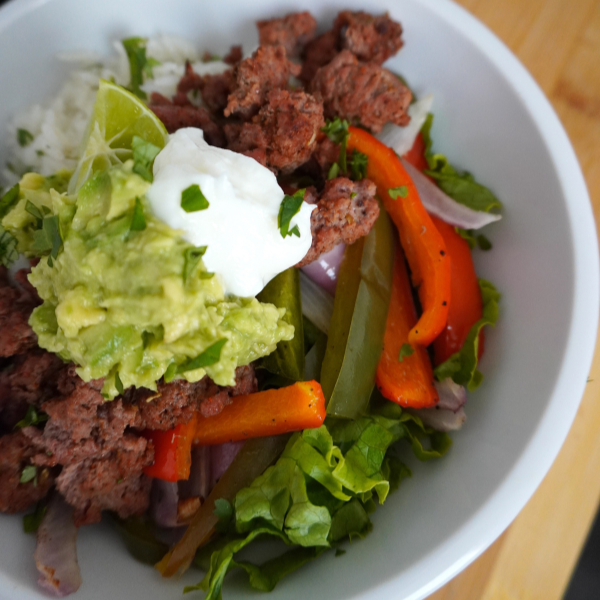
462	187
461	367
320	492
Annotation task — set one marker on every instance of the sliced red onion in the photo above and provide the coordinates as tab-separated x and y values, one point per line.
402	139
221	457
441	205
452	396
324	271
199	482
56	552
164	498
441	419
317	304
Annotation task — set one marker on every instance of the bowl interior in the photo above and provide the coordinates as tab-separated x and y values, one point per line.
489	119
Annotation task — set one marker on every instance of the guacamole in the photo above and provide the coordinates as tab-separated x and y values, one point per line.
125	297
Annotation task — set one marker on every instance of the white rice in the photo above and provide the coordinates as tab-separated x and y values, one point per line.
58	126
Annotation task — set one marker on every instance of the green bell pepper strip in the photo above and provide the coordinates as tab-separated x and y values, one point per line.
358	322
286	364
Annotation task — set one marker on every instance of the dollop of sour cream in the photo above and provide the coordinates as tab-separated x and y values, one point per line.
245	248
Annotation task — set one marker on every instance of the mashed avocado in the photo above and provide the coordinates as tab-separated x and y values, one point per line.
124	296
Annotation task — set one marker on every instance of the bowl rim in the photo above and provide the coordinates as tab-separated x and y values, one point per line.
498	512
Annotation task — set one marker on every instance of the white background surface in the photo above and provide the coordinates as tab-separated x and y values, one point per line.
491	119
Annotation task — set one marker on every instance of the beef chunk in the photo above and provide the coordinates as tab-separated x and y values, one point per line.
363	93
111	482
15	308
286	128
345	211
177	401
292	32
234	55
369	38
267	69
15	454
30	379
215	90
317	54
176	117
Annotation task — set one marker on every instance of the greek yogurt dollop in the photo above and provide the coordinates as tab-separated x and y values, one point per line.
239	227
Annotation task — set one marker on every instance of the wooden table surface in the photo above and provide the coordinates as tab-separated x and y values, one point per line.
558	41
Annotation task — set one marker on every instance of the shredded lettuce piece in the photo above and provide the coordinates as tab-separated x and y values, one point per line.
462	187
461	367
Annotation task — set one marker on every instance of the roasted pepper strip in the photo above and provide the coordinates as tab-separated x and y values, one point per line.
466	306
250	462
404	373
172	452
423	245
272	412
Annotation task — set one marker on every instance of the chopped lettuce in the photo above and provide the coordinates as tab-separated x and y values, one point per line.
461	367
319	493
462	187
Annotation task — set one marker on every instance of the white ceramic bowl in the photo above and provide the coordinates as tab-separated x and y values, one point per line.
491	118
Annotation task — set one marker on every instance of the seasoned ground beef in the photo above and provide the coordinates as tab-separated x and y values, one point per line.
15	455
15	307
345	211
292	32
267	69
363	93
29	379
215	90
176	117
234	55
317	54
286	128
370	38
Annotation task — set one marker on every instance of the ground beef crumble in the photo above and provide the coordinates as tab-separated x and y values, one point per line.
292	32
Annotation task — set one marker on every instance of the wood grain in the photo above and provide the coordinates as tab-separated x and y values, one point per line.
559	43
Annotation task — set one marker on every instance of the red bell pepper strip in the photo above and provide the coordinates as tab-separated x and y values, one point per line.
172	451
423	245
272	412
404	374
416	155
466	305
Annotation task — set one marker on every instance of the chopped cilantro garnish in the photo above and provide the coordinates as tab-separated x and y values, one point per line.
139	64
8	248
334	171
405	351
469	236
209	357
138	221
24	137
144	154
193	200
37	213
119	383
32	522
29	473
358	165
483	242
192	257
290	206
398	192
9	199
48	239
32	417
337	132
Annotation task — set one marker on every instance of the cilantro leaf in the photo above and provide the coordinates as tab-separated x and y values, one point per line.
138	221
483	242
24	137
8	248
193	200
209	357
9	199
337	132
144	154
32	521
334	171
290	206
135	48
405	351
119	383
48	239
358	165
29	473
32	417
192	257
469	236
398	192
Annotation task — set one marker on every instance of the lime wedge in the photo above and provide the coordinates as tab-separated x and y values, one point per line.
118	115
